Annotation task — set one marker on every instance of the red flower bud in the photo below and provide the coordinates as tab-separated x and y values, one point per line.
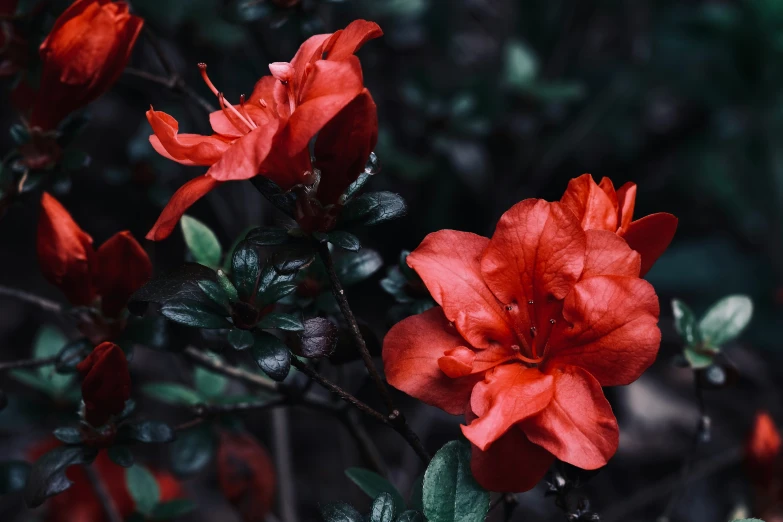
762	449
246	475
105	384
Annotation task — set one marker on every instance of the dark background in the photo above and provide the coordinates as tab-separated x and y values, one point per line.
481	103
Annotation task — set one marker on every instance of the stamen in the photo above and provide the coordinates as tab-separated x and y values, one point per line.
262	102
226	105
209	83
532	331
244	111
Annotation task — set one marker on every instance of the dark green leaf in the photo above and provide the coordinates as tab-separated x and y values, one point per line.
209	384
71	355
411	516
279	321
172	393
193	313
274	293
374	208
292	259
180	284
13	476
47	475
148	331
382	508
50	341
145	431
227	286
172	509
143	488
340	512
121	455
284	201
202	243
355	187
192	451
726	319
216	293
319	339
344	240
68	435
267	236
271	355
355	267
451	493
374	484
245	269
240	339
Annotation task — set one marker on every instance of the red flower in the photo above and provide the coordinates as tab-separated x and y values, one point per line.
83	56
531	324
246	475
67	258
600	207
79	503
105	383
762	450
320	92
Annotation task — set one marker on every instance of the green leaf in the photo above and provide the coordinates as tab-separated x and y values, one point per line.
411	516
13	476
180	284
699	358
416	498
374	208
172	509
202	243
521	66
227	286
172	393
344	240
193	313
143	488
274	293
245	269
47	475
267	236
382	508
192	451
726	319
145	431
279	321
240	339
451	493
374	484
355	267
209	384
216	293
68	435
685	322
340	512
49	341
121	455
71	355
271	355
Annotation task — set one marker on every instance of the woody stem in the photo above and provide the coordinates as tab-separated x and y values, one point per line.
42	303
396	418
27	363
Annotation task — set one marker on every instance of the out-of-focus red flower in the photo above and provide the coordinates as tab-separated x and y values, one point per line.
601	207
83	56
68	260
246	475
105	383
531	324
79	503
321	91
763	464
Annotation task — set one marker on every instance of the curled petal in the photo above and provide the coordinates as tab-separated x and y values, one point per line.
246	156
346	42
608	254
188	149
590	204
179	203
626	201
650	236
122	267
457	362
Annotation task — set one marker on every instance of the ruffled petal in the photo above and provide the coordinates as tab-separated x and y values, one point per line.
608	254
578	426
457	362
346	42
122	267
188	149
246	156
411	351
590	204
448	262
179	203
626	201
650	236
611	329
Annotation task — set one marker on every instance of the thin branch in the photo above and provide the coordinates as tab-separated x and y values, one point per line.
28	363
44	304
107	503
396	417
222	368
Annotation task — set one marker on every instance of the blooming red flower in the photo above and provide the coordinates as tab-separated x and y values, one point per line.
321	91
105	383
531	324
246	475
83	56
762	450
601	207
67	258
79	503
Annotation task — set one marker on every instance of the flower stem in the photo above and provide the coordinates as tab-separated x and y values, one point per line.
28	363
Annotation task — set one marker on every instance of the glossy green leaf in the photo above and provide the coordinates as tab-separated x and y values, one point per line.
209	384
267	236
354	267
215	292
280	321
68	435
274	293
245	269
145	431
202	243
121	455
340	512
373	208
451	493
47	474
726	319
194	314
180	284
192	451
227	286
374	484
344	240
382	508
240	339
271	355
143	488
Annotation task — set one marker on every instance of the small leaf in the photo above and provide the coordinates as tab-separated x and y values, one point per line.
180	284
279	321
274	293
451	493
245	269
726	319
209	384
49	341
202	243
355	267
121	455
172	393
227	286
521	65
143	488
193	313
319	339
172	509
340	512
267	236
344	240
47	475
698	358
192	451
685	322
13	476
374	208
292	259
68	435
356	186
284	201
382	508
145	431
271	355
216	293
374	484
240	339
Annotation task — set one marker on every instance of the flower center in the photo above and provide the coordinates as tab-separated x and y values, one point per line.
239	118
532	331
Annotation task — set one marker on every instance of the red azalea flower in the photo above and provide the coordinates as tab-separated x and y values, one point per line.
105	383
246	475
79	503
67	258
600	207
321	91
762	462
531	324
83	56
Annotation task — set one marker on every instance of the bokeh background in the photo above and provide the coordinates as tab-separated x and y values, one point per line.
481	103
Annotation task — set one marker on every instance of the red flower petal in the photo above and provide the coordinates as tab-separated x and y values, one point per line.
105	384
608	187
650	236
65	252
245	157
611	329
309	52
578	426
590	204
188	149
626	200
411	351
344	43
246	475
448	262
507	395
457	362
608	254
344	145
179	203
762	449
122	267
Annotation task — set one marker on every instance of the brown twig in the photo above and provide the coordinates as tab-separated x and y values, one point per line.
222	368
28	363
41	302
107	503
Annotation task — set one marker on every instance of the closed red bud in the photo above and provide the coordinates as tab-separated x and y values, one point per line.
105	383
